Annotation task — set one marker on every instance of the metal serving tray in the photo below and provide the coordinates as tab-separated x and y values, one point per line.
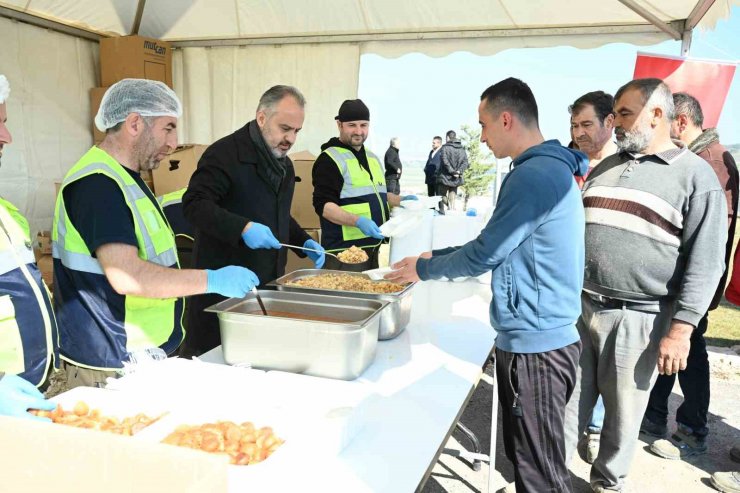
340	349
393	320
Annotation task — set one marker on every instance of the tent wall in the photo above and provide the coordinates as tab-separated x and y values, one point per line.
220	87
50	77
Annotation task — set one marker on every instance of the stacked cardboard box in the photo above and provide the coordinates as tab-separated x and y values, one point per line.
175	170
302	207
126	57
44	260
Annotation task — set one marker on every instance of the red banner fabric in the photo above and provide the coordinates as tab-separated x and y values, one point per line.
707	81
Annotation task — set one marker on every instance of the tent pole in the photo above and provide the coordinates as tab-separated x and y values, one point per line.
651	18
696	15
686	43
139	15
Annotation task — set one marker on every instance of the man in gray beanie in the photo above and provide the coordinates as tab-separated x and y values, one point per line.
350	194
119	291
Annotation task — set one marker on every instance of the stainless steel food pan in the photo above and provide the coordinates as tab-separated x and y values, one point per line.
342	348
394	318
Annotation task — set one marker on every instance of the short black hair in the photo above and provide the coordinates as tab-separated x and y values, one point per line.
515	96
450	135
437	137
602	102
686	104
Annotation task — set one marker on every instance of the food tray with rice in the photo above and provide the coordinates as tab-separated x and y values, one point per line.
393	319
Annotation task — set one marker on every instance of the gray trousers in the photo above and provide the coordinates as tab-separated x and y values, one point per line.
619	361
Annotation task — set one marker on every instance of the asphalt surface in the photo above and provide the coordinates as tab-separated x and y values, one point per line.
649	473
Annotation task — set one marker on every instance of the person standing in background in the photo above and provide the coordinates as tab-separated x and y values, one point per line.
393	167
431	169
453	163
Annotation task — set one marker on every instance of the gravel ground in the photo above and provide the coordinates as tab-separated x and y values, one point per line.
649	473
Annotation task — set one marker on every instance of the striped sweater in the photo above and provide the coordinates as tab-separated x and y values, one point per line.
656	227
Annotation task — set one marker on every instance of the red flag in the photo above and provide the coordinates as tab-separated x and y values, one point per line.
708	81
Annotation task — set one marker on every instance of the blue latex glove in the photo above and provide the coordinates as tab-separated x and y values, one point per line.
232	281
471	212
260	236
318	258
409	197
369	228
17	396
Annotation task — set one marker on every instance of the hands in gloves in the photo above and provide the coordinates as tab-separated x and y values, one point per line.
232	281
17	396
318	258
259	236
369	228
409	197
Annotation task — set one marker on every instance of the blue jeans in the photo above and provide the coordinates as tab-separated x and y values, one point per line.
597	417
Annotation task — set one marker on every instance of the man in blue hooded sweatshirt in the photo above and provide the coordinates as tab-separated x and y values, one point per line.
534	246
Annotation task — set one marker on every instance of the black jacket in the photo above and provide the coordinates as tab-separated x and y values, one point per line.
432	168
453	161
393	164
225	193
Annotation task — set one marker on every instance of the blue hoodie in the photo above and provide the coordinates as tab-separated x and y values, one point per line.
534	246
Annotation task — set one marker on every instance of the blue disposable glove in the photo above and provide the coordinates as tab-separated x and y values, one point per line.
260	236
369	228
318	258
232	281
17	396
409	197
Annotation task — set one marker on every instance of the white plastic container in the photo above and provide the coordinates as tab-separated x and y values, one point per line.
416	239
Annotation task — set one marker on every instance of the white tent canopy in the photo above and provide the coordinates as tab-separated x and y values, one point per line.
230	51
378	24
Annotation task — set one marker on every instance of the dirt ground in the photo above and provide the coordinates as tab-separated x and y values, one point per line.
649	474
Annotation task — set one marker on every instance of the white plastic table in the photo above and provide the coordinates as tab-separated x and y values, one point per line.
411	396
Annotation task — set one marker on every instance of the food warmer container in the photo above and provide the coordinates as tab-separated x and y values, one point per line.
319	335
393	320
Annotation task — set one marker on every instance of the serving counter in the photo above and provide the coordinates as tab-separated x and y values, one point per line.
401	410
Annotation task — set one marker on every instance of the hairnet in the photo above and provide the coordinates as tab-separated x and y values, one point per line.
4	89
145	97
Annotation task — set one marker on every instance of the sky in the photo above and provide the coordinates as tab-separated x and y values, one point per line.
416	97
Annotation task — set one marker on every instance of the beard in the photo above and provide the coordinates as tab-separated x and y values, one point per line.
145	152
275	146
635	140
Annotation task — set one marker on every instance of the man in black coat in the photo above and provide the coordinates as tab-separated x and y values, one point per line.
393	167
453	161
432	167
239	202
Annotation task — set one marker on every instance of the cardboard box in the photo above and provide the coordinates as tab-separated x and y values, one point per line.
96	96
45	264
42	460
135	57
43	241
295	262
302	207
175	170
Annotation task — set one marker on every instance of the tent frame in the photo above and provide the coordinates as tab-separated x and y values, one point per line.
677	30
